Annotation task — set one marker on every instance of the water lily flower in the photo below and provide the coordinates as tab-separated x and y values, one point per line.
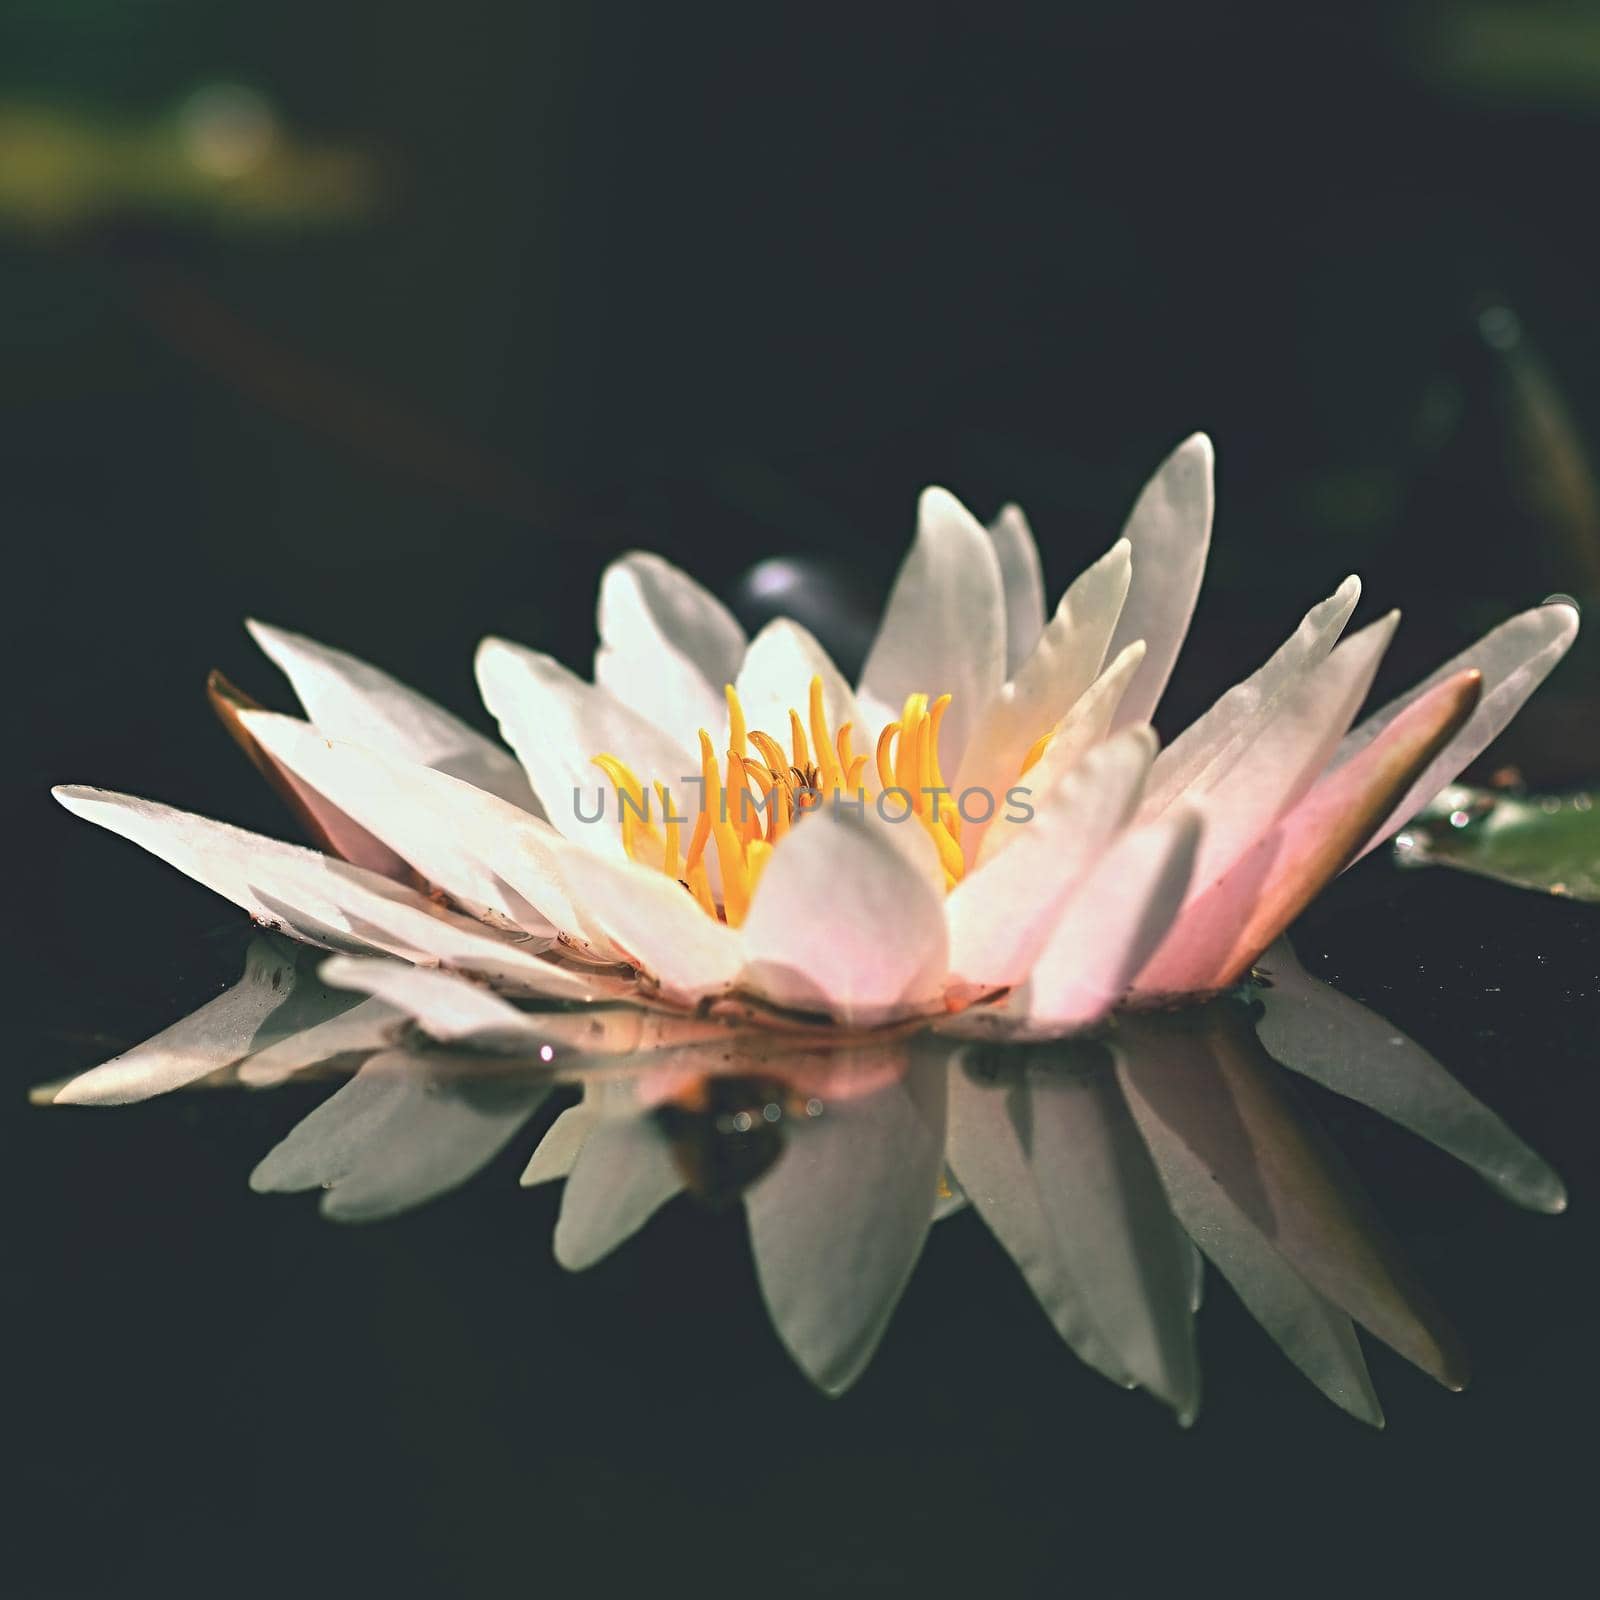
980	836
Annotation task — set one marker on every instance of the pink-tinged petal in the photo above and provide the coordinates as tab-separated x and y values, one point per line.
1082	730
558	724
1209	748
1170	531
837	1224
324	824
776	677
317	898
848	919
351	700
1022	583
944	629
1287	754
1112	924
1057	673
667	645
1000	914
1212	1106
1223	930
657	924
1514	660
492	858
1315	1335
274	999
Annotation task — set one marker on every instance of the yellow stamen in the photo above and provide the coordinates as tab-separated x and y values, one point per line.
730	857
669	856
819	765
736	733
905	756
771	752
797	738
885	755
760	855
639	836
697	841
698	882
827	760
948	814
1037	749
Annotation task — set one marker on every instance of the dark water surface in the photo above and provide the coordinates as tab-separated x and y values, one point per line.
221	1392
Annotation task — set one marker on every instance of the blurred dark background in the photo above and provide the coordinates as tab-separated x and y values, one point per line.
393	324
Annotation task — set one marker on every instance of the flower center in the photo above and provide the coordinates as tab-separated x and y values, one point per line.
749	804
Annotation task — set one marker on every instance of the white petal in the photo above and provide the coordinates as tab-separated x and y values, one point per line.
406	1129
1339	1043
987	1153
837	1225
1225	1103
1021	581
776	677
1317	1337
1083	728
275	999
1056	674
351	700
1170	530
558	1151
657	924
1207	750
1106	1208
558	724
944	629
1287	753
1000	914
667	646
319	899
623	1175
367	1026
488	855
329	1143
1113	923
846	919
1515	659
448	1008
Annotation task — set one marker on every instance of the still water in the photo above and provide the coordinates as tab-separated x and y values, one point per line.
609	1306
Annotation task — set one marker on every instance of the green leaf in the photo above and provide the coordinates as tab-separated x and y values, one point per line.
1546	842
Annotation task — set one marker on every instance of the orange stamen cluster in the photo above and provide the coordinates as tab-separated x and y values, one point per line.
761	790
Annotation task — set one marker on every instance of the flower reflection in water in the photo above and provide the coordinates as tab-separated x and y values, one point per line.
1109	1169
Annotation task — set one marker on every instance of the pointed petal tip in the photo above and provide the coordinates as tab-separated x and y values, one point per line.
937	501
78	797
